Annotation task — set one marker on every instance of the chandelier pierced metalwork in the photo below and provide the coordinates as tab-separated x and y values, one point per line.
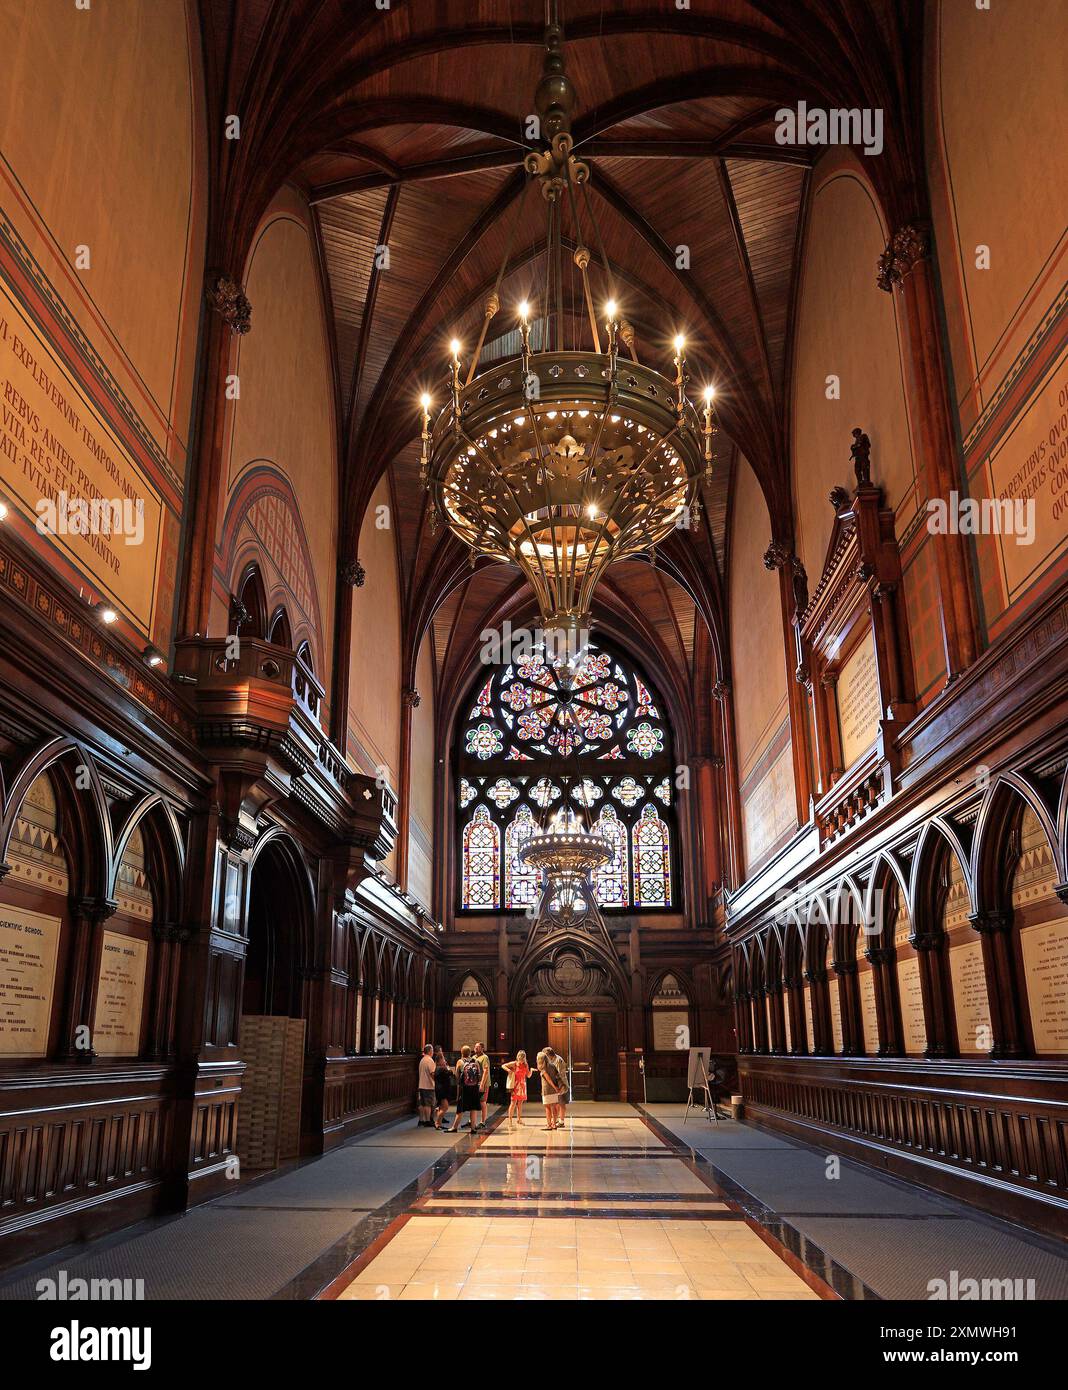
572	455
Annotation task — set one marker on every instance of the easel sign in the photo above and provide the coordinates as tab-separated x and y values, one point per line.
699	1080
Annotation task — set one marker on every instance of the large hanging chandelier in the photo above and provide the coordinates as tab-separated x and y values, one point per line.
571	455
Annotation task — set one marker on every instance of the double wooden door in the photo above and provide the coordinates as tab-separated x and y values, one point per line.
572	1034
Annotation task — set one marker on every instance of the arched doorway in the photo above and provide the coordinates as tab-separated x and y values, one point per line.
275	911
569	997
272	1036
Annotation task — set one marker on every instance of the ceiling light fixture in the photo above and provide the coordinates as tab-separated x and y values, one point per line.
573	454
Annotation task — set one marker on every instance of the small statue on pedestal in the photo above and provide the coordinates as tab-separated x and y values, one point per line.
860	453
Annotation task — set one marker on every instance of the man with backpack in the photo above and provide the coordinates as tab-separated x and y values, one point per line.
469	1083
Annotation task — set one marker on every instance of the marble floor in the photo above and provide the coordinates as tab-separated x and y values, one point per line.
611	1207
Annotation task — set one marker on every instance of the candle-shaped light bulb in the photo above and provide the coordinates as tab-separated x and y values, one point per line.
680	343
610	310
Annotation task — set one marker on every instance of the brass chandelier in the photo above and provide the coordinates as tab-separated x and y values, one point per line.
569	456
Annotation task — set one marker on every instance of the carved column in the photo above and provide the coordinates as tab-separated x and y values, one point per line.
884	968
822	1035
936	1000
79	1006
707	826
409	703
849	1005
721	692
168	938
350	575
1003	994
905	270
230	317
793	600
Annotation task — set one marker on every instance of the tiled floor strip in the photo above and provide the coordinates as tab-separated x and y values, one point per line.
611	1208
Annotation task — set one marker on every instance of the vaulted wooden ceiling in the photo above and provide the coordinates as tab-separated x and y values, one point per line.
404	127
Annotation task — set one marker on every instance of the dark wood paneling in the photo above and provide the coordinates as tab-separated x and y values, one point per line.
993	1133
80	1154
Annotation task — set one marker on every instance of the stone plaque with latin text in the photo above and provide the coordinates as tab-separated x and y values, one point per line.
1045	956
910	992
120	995
859	707
970	998
29	946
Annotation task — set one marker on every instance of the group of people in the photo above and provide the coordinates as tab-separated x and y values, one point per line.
467	1083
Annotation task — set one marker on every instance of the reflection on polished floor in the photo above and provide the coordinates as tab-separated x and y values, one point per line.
608	1208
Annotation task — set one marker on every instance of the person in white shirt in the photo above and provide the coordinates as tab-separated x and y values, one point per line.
426	1087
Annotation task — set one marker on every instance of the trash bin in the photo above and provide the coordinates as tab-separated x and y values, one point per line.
737	1108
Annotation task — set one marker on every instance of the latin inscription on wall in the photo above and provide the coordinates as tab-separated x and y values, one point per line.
859	707
970	999
120	996
869	1017
910	992
769	810
29	945
468	1027
1045	957
667	1024
55	446
1029	467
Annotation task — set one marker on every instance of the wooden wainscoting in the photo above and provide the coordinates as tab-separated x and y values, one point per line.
993	1133
81	1151
344	1095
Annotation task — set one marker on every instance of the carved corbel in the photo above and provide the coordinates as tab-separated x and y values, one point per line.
352	572
908	246
229	300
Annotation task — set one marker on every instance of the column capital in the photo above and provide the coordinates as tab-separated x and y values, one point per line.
991	921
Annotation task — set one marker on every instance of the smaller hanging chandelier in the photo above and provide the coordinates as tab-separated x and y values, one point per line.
567	853
574	454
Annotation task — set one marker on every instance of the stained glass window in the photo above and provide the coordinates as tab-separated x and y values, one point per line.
611	881
652	860
481	862
520	883
510	770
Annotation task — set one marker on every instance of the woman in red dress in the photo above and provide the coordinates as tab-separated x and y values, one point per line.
518	1071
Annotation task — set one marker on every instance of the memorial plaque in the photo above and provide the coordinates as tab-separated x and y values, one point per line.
859	705
29	946
808	1017
970	1004
869	1016
56	447
910	993
769	809
836	1012
469	1026
786	1020
1045	957
671	1030
120	995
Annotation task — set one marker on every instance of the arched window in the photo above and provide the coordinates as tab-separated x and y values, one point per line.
279	632
481	862
252	597
652	860
524	743
520	883
612	880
